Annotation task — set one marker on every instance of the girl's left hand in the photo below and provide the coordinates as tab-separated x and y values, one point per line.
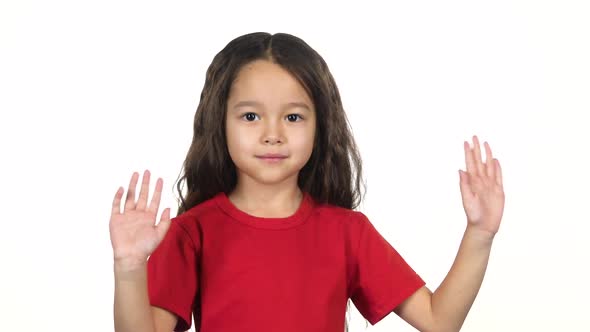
481	189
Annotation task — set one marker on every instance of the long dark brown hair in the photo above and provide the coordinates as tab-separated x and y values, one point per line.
332	175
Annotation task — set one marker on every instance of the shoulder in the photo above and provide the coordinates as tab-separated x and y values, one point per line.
190	222
200	211
347	217
355	224
205	210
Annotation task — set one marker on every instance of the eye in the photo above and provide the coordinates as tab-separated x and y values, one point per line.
294	117
250	116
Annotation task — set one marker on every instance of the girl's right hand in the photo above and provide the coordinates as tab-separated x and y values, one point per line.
134	235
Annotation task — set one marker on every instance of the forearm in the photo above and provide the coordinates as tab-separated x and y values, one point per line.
453	298
132	311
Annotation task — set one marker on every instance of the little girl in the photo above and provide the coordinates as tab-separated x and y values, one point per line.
266	237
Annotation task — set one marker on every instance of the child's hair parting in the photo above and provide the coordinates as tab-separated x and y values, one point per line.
332	175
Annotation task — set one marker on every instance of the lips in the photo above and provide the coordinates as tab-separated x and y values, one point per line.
272	156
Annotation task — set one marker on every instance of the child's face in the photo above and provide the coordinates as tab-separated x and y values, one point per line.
269	114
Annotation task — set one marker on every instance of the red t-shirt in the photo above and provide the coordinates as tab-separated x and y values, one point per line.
245	273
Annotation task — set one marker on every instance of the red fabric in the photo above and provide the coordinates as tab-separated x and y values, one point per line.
275	274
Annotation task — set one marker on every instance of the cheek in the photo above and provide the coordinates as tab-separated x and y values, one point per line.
304	141
238	140
232	140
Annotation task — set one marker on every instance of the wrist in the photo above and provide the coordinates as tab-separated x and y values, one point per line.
479	234
129	265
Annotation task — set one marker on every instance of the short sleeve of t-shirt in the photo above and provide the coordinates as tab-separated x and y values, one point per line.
172	274
382	278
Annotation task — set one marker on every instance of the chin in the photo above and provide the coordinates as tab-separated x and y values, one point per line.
273	180
270	177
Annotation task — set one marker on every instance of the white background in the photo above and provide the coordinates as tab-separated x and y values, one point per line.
92	91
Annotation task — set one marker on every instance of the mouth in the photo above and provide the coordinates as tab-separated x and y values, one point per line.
272	157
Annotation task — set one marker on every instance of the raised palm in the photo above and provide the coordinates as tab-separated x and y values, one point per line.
134	234
482	189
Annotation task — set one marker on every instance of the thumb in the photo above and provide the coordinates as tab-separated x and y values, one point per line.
464	184
163	225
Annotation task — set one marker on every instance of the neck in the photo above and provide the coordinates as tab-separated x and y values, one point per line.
267	201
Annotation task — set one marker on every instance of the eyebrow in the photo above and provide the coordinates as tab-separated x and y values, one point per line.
253	103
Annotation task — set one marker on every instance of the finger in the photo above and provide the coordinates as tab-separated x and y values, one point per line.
464	185
117	201
145	190
130	200
490	167
164	224
498	173
155	203
477	155
469	162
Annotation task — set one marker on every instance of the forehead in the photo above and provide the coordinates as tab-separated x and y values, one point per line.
266	81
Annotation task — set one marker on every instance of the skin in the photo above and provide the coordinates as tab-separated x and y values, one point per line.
483	201
270	112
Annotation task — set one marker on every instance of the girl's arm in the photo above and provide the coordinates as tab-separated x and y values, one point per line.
447	308
483	201
134	237
132	311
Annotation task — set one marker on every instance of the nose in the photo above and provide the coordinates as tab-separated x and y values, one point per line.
272	140
273	134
